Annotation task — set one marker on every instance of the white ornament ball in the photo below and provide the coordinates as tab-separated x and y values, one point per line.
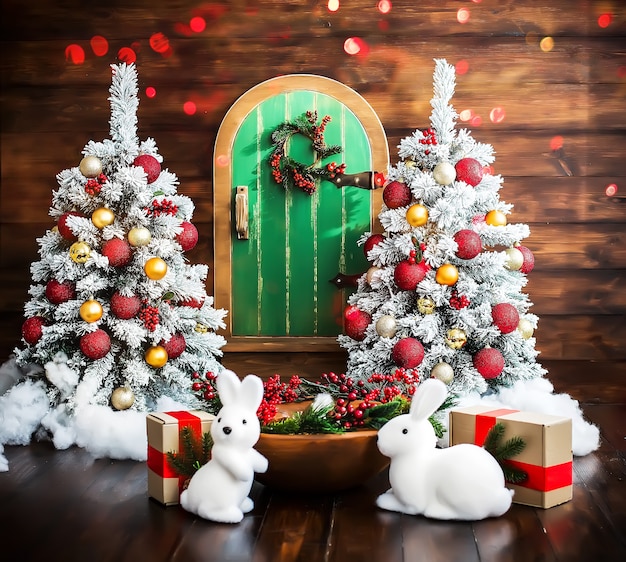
371	272
122	398
444	173
90	166
514	259
386	326
443	371
139	236
525	328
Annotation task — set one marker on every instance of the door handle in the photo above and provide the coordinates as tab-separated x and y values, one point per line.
241	212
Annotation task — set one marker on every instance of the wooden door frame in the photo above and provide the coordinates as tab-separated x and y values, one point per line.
223	230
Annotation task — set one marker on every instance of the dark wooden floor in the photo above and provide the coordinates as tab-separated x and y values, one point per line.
65	506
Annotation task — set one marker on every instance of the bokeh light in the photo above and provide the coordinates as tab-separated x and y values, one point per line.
488	169
159	42
461	67
99	45
189	108
611	189
150	92
476	121
605	20
222	160
497	114
384	6
463	15
127	55
621	72
75	54
355	46
466	115
333	5
197	24
556	143
546	44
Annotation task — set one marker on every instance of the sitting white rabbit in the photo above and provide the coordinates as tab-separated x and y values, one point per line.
462	482
219	490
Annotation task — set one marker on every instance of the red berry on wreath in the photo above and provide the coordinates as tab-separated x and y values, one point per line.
469	243
64	229
118	251
505	316
150	164
188	238
32	329
95	345
356	322
407	353
192	303
372	241
489	362
58	293
408	275
175	345
529	259
469	171
397	194
125	307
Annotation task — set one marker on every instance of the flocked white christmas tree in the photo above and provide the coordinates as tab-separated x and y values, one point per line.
114	304
443	296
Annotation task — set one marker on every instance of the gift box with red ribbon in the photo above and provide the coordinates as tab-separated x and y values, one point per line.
546	458
164	484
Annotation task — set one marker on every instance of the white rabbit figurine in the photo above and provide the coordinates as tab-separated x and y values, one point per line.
462	482
219	490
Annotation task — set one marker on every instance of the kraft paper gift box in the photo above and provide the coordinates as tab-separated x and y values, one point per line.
163	428
546	458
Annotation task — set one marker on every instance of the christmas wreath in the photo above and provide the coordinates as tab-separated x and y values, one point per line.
291	173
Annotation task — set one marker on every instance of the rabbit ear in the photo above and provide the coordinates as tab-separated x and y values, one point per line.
429	396
228	385
251	392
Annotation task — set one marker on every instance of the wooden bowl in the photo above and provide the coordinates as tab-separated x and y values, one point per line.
322	462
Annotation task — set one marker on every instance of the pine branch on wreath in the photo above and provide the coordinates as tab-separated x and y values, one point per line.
195	452
504	451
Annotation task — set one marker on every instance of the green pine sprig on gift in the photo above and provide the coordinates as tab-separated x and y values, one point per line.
504	451
195	452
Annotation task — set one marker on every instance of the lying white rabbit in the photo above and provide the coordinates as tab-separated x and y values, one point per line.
219	490
461	482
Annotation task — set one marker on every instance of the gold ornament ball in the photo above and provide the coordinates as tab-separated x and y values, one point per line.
80	252
514	259
386	326
90	166
122	398
369	276
443	371
102	217
495	218
425	305
525	328
201	328
139	236
156	356
447	274
90	311
456	338
444	173
155	268
417	215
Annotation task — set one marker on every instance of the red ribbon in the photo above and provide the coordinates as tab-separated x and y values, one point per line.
542	478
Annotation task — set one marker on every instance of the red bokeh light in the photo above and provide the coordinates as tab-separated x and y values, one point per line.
605	20
127	55
611	190
384	6
556	142
197	24
461	67
621	72
222	160
476	121
99	45
355	46
463	15
497	115
75	54
150	92
189	108
159	42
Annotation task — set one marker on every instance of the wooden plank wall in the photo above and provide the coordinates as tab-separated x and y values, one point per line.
576	91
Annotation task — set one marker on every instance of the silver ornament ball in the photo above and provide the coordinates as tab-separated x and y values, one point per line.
386	326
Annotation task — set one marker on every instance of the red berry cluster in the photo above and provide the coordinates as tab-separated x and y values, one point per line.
304	182
317	130
458	301
149	315
163	207
276	392
335	169
94	185
205	388
275	165
429	139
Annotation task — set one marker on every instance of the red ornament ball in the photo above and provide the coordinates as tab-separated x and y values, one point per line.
192	303
174	346
529	259
64	230
123	307
505	317
469	170
58	293
150	164
188	238
397	194
118	251
489	362
372	241
32	329
408	274
356	322
407	353
469	243
95	345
